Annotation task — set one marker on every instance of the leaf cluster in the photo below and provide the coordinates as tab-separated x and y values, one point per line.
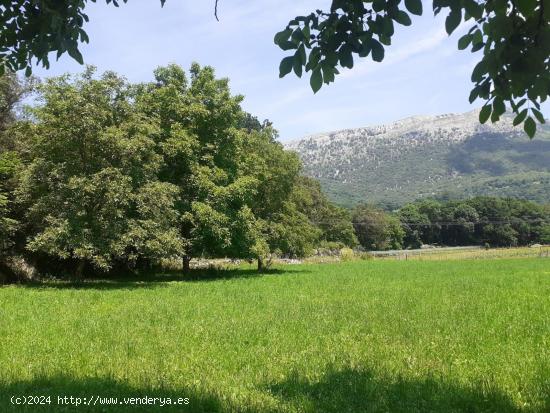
514	38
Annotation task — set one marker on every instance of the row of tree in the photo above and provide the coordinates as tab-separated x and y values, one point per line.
497	222
101	174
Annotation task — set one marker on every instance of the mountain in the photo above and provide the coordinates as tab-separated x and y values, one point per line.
446	156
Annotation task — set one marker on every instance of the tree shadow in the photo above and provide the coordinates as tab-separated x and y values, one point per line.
353	390
98	394
157	279
338	391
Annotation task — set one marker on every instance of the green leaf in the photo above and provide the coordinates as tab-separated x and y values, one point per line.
473	8
297	35
453	20
346	58
521	102
498	106
402	18
477	46
76	55
474	93
306	32
282	35
377	50
297	66
464	41
484	113
479	70
314	58
328	74
28	71
300	55
520	117
286	66
542	86
365	49
414	6
316	80
526	7
477	37
538	115
385	40
387	26
378	5
287	45
530	127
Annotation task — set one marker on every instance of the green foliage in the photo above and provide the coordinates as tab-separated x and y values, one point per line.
292	233
545	234
514	37
376	229
91	190
501	222
334	222
7	225
34	29
12	92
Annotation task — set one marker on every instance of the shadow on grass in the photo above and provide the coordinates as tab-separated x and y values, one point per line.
158	279
103	395
354	391
341	391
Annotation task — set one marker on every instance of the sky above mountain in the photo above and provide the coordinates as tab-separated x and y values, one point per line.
423	72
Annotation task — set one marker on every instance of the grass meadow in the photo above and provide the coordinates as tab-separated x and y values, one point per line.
365	336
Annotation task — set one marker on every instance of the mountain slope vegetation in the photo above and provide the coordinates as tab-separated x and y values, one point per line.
445	156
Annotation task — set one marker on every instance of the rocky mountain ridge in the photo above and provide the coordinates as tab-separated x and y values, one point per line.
450	155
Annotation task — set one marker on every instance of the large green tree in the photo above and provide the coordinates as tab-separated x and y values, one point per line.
202	147
91	187
377	229
236	182
333	221
283	227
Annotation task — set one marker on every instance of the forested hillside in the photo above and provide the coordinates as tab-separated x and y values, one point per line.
447	156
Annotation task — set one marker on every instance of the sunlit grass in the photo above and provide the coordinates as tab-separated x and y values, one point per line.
465	253
365	336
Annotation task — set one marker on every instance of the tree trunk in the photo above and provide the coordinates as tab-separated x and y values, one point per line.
260	264
186	264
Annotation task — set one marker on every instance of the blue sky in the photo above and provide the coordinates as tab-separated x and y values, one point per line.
423	72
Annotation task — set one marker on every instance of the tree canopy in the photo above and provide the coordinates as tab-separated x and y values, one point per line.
514	37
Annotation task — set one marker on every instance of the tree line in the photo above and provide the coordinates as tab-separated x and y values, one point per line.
104	175
489	221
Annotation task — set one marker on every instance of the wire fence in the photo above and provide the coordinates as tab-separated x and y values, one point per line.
463	253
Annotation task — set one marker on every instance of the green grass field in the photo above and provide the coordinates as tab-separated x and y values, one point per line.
369	336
